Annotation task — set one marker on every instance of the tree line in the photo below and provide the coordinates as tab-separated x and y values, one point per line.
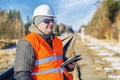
105	22
12	26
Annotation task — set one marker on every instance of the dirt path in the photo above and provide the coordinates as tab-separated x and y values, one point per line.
90	70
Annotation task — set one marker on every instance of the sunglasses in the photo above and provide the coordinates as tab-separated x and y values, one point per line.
47	21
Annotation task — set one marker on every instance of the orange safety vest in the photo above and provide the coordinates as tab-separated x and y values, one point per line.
48	60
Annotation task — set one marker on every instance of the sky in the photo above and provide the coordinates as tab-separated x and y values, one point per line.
73	13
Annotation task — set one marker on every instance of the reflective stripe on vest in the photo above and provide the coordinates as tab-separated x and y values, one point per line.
48	59
57	70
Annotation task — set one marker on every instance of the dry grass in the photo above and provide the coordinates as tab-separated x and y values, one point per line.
6	58
7	55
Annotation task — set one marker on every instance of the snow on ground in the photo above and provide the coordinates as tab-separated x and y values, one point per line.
99	43
107	53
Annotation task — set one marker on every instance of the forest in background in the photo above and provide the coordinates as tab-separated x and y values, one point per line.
105	23
12	26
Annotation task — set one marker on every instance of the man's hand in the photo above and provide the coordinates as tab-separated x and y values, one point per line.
72	65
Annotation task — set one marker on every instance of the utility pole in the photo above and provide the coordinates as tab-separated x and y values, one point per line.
118	32
82	34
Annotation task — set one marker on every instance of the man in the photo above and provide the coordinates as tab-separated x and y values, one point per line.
39	54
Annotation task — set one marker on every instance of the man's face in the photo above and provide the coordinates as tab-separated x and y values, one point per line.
46	26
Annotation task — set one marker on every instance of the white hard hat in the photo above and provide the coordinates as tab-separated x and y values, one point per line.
43	10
